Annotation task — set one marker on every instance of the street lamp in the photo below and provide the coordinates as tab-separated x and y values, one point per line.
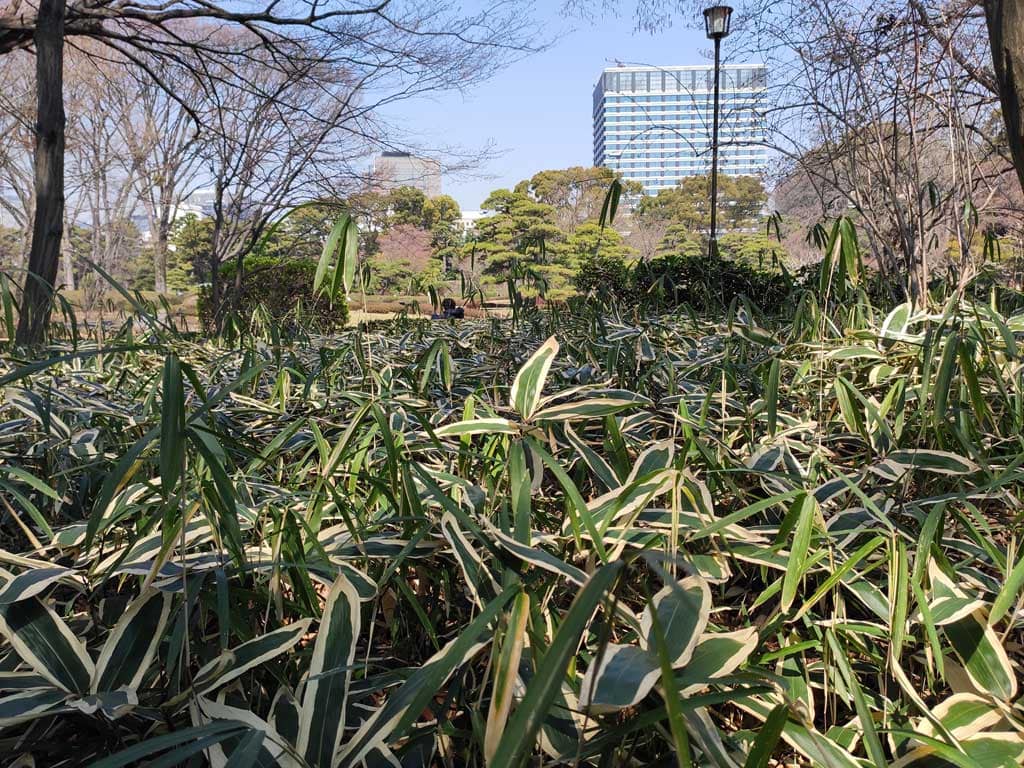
716	26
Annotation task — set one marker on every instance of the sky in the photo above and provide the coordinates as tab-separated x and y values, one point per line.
536	114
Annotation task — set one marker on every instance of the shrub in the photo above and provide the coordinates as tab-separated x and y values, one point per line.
603	274
708	284
284	288
683	278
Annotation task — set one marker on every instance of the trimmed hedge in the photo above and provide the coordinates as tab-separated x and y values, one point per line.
710	284
671	280
284	288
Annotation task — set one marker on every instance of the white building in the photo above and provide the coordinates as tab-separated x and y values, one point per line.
467	221
654	124
401	169
198	204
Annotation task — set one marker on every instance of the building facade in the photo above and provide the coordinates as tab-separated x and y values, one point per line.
401	169
654	124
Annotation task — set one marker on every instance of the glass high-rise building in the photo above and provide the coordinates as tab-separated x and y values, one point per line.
653	124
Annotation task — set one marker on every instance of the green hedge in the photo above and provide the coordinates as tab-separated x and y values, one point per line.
665	281
284	288
709	284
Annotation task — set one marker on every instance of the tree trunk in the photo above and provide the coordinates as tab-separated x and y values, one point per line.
159	259
67	261
44	258
218	226
1006	35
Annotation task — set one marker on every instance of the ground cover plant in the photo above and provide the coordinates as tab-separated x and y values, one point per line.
577	536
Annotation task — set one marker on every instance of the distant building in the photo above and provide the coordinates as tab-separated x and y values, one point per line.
401	169
653	124
468	220
199	204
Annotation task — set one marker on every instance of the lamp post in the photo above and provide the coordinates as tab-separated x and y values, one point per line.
716	26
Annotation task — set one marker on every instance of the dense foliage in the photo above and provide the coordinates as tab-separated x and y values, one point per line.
700	281
281	290
590	533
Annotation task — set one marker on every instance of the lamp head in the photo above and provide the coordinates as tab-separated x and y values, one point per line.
716	21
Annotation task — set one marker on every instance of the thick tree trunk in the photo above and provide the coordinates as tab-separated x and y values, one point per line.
44	258
1006	35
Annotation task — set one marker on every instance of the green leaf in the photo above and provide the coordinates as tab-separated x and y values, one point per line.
505	673
771	396
31	582
330	248
870	734
133	642
322	718
404	705
244	657
767	738
46	644
529	382
172	425
344	269
611	203
805	507
179	740
819	749
683	611
1008	594
944	380
619	677
521	733
519	486
670	692
247	753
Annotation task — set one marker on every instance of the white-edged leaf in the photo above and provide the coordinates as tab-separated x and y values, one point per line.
505	674
619	678
936	462
272	751
591	408
982	655
529	382
31	582
717	655
242	658
132	643
479	579
46	644
683	612
322	718
491	426
28	705
963	715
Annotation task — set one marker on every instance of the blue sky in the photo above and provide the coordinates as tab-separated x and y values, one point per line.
537	113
